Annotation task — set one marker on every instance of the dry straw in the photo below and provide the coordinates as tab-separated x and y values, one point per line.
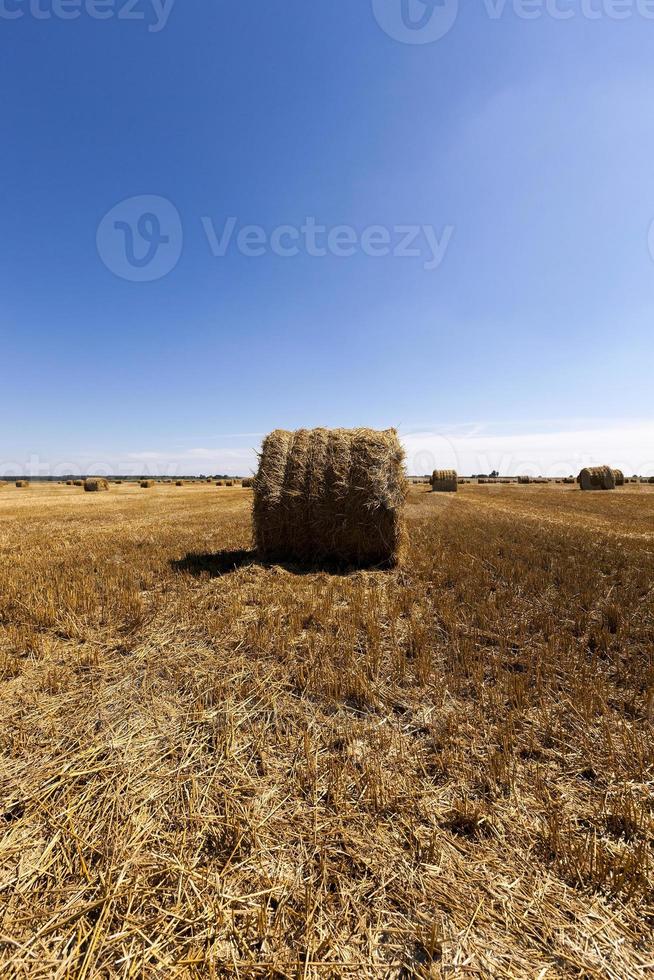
597	478
179	483
145	484
22	484
444	481
96	484
618	476
330	494
246	482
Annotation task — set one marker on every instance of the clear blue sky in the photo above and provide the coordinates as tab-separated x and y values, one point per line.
531	140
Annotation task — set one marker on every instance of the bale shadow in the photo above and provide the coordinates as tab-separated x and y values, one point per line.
214	565
224	562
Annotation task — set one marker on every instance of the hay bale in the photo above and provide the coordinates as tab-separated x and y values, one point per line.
96	484
246	483
618	476
146	484
220	483
179	483
69	483
524	479
229	483
22	484
330	494
596	478
78	483
444	481
3	483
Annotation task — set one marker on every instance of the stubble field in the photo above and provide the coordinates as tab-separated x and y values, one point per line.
210	767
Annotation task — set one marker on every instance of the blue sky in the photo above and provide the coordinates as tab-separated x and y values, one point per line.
513	156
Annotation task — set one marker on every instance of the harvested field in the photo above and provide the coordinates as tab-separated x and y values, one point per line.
215	767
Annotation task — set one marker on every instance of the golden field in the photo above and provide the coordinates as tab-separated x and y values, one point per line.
214	768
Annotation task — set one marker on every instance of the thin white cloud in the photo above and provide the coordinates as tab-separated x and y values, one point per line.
535	448
627	445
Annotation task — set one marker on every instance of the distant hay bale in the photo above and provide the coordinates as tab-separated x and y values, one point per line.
569	479
247	482
69	483
3	483
78	483
96	484
229	483
146	484
330	494
220	483
22	484
524	479
596	478
444	481
651	479
179	483
618	476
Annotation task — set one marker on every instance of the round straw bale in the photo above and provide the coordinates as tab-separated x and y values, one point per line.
444	481
618	476
95	484
246	482
330	494
146	484
179	483
597	478
22	484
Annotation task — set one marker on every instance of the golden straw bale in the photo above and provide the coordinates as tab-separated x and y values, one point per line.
330	494
95	484
444	481
22	484
596	478
146	484
618	476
